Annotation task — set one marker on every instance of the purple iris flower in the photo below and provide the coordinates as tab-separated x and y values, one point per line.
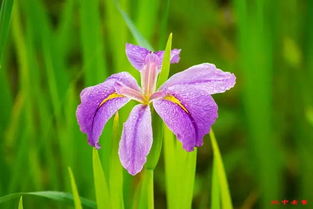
184	102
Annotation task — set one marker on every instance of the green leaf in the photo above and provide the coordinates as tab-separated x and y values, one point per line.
131	26
225	194
180	166
215	196
166	62
92	42
5	18
146	193
101	185
116	170
53	195
20	204
147	15
77	201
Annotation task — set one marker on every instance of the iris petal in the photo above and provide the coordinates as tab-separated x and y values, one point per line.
189	113
137	55
99	103
136	139
203	76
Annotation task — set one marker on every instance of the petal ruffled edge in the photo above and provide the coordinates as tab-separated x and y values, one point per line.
203	76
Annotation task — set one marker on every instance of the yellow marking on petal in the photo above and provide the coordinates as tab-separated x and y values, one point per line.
111	96
176	101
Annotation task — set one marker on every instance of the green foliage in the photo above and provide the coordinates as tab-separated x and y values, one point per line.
165	71
53	195
219	173
77	201
180	167
20	204
51	50
100	182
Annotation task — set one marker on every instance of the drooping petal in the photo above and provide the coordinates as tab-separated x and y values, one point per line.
99	103
174	55
125	79
203	76
137	55
188	112
136	140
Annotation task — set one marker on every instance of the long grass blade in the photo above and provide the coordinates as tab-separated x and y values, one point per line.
131	26
5	19
92	42
101	185
215	195
116	170
146	191
222	179
165	71
77	201
147	14
180	166
20	203
53	195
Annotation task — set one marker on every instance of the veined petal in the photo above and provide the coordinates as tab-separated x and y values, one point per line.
189	113
136	140
204	77
99	103
137	55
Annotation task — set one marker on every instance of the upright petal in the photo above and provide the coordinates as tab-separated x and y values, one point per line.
99	103
136	139
136	55
188	112
174	55
203	76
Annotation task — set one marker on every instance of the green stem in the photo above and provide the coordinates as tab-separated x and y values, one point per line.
224	189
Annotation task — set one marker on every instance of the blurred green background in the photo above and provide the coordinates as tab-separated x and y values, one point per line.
51	49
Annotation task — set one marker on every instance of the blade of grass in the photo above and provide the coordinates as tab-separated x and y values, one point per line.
64	33
53	195
5	19
101	185
147	13
164	23
256	38
166	62
146	191
20	204
25	87
225	194
215	195
131	26
117	35
116	171
92	42
77	201
170	173
180	166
